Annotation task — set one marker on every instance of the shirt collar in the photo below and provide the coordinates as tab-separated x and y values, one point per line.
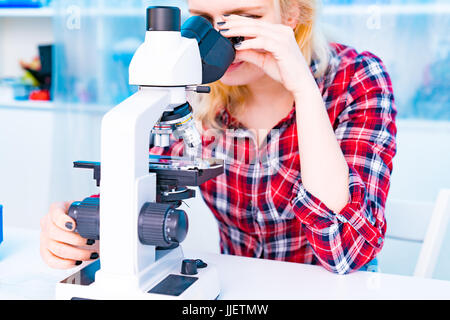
230	122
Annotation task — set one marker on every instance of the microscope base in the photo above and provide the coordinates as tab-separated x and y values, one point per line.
169	284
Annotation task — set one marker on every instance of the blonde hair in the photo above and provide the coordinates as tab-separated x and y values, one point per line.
311	42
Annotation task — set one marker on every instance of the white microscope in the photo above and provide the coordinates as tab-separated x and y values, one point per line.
136	216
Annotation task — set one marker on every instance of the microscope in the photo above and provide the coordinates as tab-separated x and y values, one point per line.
137	216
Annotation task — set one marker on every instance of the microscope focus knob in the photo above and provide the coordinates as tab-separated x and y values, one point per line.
86	214
162	225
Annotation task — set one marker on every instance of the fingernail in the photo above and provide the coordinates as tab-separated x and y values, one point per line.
94	256
237	45
221	23
224	30
69	225
78	263
90	242
227	15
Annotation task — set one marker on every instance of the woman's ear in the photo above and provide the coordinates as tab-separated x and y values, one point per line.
293	17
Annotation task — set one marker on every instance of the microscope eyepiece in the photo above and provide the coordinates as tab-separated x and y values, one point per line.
217	52
161	18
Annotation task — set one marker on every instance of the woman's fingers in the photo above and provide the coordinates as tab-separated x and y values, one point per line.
249	32
53	261
256	44
58	214
259	36
54	232
247	27
60	247
261	60
66	251
243	31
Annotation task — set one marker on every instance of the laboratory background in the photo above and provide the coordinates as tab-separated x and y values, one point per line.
64	64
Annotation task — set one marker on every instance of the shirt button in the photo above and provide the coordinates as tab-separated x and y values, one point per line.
380	240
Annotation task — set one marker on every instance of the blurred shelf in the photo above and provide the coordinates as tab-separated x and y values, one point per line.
26	12
50	12
425	125
84	108
27	104
53	106
119	12
406	9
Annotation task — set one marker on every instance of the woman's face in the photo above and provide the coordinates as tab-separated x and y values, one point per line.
240	72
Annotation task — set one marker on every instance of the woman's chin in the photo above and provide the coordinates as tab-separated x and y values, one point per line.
232	77
232	80
240	76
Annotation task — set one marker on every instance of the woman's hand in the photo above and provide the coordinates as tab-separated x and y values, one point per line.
272	47
60	247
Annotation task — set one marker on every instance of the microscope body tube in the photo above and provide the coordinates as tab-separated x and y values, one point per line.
166	59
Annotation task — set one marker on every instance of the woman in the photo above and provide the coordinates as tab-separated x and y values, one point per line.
311	126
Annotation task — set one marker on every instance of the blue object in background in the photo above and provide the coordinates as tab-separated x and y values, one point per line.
432	98
371	266
20	4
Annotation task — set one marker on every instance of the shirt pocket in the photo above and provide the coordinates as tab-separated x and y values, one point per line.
275	211
278	193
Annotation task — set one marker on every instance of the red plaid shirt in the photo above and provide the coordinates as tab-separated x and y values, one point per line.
261	205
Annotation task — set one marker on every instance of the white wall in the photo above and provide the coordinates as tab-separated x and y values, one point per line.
25	164
422	165
421	169
37	149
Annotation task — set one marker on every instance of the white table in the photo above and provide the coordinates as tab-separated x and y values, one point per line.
23	275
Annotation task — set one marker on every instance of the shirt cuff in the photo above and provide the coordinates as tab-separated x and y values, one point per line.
314	214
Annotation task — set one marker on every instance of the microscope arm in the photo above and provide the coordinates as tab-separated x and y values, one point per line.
126	182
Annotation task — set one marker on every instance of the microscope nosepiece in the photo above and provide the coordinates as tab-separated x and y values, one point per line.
192	137
162	140
181	122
